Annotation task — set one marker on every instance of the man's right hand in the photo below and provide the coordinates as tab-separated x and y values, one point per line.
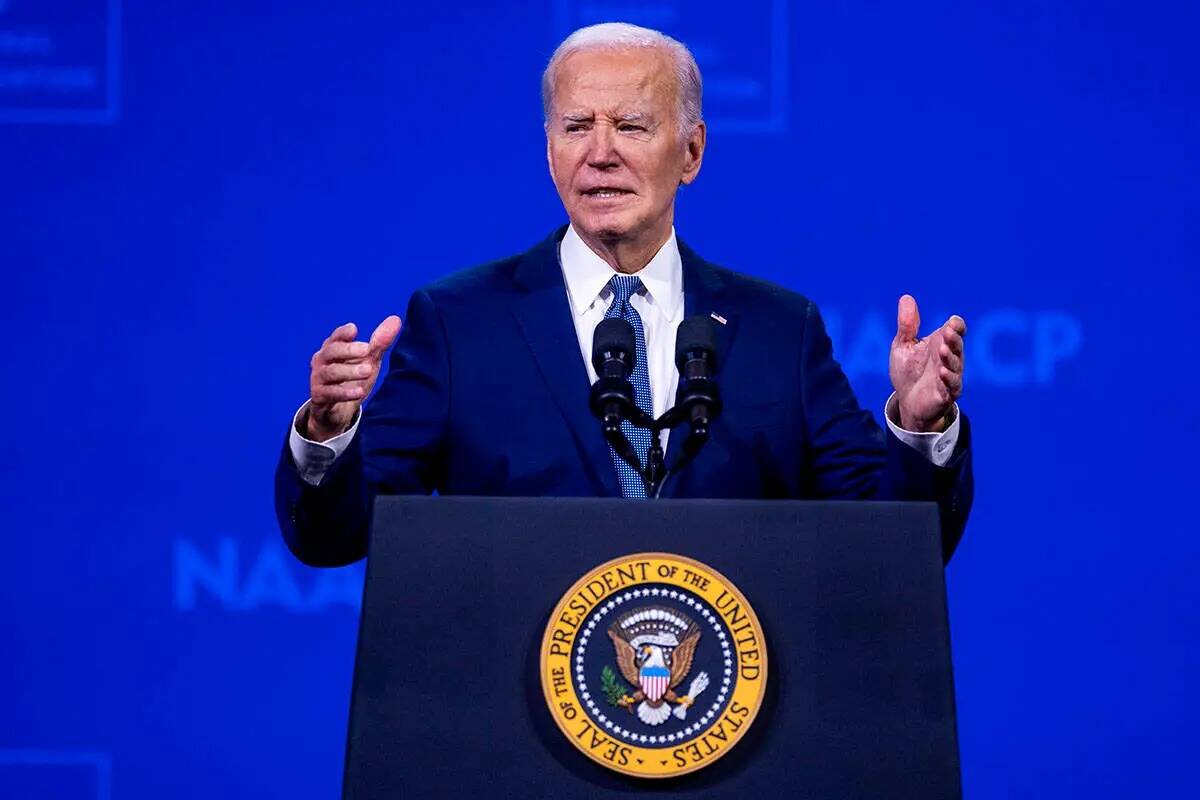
343	373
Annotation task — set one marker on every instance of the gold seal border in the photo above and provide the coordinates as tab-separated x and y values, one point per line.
553	702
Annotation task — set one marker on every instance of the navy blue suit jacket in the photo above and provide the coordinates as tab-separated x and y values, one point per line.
486	393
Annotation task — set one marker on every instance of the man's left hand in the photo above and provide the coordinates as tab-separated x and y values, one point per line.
927	373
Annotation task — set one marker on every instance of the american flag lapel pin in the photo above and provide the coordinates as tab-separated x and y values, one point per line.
719	318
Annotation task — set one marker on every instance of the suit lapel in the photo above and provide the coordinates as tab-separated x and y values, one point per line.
703	289
543	315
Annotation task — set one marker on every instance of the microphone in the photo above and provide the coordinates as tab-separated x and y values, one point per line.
614	351
696	358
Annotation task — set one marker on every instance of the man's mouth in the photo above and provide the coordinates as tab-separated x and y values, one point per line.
606	191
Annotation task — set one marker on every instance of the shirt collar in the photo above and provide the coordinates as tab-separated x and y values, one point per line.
586	274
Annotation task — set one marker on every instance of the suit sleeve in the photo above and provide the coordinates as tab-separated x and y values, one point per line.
848	456
399	448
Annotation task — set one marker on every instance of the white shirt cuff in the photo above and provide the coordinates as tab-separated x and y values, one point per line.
936	447
313	459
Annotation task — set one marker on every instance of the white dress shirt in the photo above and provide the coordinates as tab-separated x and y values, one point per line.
660	305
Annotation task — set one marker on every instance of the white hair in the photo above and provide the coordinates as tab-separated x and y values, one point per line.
623	36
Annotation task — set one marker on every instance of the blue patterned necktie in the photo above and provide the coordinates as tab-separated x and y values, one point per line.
623	287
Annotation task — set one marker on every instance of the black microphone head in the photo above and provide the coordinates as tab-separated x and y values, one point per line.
696	335
613	339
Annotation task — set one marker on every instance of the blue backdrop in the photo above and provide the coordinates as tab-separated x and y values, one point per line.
191	198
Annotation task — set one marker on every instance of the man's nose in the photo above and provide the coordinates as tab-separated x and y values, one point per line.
602	152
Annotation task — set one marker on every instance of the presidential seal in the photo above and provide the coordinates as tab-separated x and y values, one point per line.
653	665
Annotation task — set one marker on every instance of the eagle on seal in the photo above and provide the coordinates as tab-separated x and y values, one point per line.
655	646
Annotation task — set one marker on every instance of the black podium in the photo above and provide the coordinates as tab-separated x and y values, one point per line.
448	700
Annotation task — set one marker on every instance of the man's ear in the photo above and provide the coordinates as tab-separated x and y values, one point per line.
694	154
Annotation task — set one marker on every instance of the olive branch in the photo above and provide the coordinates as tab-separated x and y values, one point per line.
611	685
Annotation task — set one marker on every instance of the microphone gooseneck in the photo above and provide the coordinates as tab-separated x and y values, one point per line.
614	350
614	355
696	358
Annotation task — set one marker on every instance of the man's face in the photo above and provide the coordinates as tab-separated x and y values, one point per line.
613	143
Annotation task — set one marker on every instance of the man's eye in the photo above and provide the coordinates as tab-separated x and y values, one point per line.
632	128
574	128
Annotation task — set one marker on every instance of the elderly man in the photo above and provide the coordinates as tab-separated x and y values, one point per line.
486	391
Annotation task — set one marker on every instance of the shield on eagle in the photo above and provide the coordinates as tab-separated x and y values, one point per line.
654	681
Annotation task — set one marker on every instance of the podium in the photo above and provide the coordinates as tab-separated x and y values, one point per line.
448	701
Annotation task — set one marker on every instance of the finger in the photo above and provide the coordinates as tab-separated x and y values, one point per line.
326	394
333	352
343	333
957	324
341	373
908	319
953	341
952	382
950	360
384	335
